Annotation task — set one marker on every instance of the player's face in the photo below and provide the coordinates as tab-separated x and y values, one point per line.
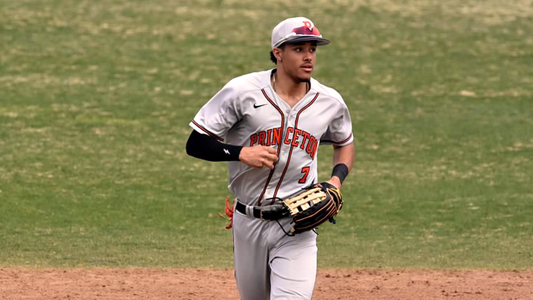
299	60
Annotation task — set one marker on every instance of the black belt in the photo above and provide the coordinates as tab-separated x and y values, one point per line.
242	209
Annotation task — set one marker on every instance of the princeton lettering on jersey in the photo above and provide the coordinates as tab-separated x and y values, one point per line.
293	137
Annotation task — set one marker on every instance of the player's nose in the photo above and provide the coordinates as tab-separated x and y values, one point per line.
308	55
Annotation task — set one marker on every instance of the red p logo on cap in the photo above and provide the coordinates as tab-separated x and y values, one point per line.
307	29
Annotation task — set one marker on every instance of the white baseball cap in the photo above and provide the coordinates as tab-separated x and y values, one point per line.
298	29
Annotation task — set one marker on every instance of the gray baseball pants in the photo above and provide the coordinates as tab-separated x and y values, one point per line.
268	263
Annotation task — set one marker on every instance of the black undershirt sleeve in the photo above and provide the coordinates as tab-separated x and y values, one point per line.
205	147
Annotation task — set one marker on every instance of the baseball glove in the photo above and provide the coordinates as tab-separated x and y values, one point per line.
314	206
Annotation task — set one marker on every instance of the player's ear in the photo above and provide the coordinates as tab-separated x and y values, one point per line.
277	53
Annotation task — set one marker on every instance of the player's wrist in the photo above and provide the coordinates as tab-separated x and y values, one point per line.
334	180
240	153
340	171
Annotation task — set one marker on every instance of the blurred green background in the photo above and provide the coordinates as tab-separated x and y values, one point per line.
96	97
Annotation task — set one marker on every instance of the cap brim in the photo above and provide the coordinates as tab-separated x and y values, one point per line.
307	38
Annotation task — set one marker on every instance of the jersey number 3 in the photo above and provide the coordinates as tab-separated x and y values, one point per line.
305	171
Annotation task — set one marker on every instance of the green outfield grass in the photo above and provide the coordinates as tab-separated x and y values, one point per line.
96	97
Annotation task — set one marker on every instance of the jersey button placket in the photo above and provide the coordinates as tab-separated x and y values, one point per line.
283	155
290	123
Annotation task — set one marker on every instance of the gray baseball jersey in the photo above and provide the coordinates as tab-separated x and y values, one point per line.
247	112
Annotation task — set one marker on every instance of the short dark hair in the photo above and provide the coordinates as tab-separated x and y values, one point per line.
273	58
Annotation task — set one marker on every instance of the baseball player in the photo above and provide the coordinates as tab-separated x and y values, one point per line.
268	126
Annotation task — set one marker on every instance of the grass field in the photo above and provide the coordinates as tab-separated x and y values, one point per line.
96	97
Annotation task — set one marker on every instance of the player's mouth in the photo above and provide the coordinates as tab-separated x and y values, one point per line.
307	68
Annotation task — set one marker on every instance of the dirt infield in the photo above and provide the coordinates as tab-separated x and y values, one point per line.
150	284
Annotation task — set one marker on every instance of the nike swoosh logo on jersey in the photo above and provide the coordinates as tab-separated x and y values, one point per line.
257	106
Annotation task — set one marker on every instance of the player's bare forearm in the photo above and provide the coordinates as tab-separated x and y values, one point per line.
342	155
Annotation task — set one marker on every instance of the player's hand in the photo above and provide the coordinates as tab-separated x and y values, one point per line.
335	181
259	156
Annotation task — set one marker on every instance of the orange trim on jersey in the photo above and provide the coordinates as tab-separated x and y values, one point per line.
292	146
208	132
279	145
